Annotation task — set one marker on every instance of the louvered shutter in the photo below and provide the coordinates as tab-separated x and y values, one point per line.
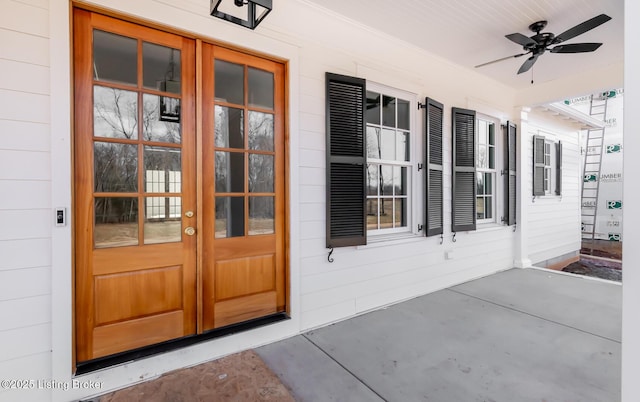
538	165
434	114
510	174
463	208
346	160
559	168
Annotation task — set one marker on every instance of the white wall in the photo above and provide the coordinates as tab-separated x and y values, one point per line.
25	201
35	268
554	221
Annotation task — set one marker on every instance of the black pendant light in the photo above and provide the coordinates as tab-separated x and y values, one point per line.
255	11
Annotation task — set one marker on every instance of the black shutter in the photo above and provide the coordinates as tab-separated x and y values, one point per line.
463	208
538	165
433	143
510	174
559	168
346	160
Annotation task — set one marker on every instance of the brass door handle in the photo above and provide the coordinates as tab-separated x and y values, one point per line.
190	231
189	214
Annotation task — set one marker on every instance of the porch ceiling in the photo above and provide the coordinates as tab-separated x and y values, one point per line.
470	32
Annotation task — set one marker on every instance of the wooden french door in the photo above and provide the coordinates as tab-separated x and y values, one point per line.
179	186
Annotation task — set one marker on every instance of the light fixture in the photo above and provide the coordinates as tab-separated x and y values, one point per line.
249	13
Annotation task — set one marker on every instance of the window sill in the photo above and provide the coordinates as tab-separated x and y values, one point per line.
391	240
488	227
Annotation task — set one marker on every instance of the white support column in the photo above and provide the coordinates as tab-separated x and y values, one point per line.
523	192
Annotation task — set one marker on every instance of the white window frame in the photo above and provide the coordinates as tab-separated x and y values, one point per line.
497	160
411	165
549	165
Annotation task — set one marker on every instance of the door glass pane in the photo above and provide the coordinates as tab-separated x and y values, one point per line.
261	173
116	222
229	217
373	108
161	119
260	88
115	58
229	126
372	179
372	214
161	68
261	131
162	220
115	167
386	213
115	113
229	170
403	114
261	215
162	169
388	111
229	82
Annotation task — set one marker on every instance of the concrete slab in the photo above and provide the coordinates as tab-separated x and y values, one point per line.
589	305
447	346
311	375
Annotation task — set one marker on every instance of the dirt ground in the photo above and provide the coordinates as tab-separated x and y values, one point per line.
600	259
242	377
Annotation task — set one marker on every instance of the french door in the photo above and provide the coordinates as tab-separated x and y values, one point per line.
179	186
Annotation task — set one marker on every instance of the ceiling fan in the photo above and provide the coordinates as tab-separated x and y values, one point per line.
539	43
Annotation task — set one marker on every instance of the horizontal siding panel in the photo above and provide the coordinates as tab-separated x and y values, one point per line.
313	195
25	136
25	194
26	224
311	86
312	122
312	104
325	315
311	158
22	17
24	77
26	341
26	312
312	140
21	283
312	176
24	107
18	254
24	165
312	230
36	366
24	47
312	212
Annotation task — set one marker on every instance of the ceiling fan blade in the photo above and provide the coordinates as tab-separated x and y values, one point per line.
582	28
576	48
527	64
520	39
504	58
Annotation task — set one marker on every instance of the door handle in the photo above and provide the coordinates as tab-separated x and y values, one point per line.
190	231
189	214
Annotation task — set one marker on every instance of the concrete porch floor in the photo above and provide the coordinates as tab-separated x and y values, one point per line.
519	335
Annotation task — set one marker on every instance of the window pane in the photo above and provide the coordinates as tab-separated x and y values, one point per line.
388	111
161	68
400	180
480	208
479	183
229	127
261	173
115	113
481	160
260	88
162	170
115	167
373	108
403	114
492	134
386	180
229	217
161	119
488	205
115	58
372	214
260	131
386	213
372	179
400	213
387	144
229	82
492	158
229	170
402	146
482	132
163	220
261	215
488	183
373	143
116	222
